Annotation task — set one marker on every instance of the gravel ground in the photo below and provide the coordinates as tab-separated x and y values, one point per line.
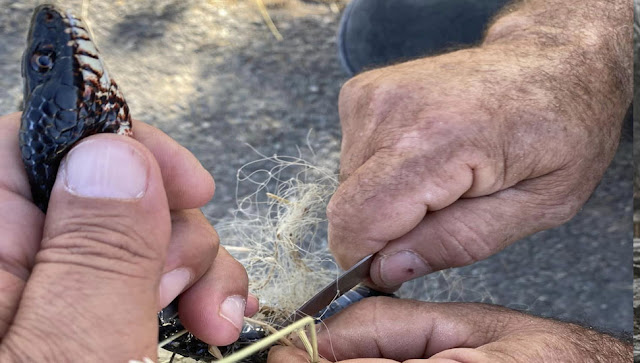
212	76
636	184
636	299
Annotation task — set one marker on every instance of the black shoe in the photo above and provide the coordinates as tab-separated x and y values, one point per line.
375	33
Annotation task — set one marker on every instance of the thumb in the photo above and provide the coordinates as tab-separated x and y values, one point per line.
94	288
473	229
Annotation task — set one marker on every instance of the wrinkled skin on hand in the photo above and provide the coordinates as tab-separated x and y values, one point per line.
447	160
382	329
86	279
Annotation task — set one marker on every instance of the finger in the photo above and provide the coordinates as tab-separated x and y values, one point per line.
376	204
188	184
20	222
13	177
103	250
21	226
253	305
473	229
213	309
192	250
281	354
405	329
462	355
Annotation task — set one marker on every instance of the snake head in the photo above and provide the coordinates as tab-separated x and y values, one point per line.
40	56
68	95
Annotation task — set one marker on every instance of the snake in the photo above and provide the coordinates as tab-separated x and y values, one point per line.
69	95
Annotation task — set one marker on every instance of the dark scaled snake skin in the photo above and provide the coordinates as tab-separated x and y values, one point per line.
69	95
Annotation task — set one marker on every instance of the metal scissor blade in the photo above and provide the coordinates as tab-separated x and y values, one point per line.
348	280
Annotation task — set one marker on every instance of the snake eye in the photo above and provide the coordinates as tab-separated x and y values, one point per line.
41	62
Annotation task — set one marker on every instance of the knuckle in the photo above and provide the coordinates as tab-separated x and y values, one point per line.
338	213
196	238
349	88
374	93
356	86
436	137
241	273
107	242
193	221
384	97
563	212
349	94
460	244
333	209
558	198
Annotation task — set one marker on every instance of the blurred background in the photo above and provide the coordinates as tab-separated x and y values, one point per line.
213	76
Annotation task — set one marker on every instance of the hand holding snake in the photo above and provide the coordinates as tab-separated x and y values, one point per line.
122	235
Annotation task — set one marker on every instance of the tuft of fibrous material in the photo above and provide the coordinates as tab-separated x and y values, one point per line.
278	231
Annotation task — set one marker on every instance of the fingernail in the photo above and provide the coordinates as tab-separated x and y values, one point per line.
232	309
105	168
172	284
401	267
252	302
253	297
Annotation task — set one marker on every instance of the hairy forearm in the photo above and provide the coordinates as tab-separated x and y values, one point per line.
586	45
586	345
564	22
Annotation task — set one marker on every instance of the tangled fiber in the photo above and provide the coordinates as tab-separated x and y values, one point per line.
278	232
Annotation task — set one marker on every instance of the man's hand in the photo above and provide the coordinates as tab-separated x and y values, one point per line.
122	237
447	160
382	329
